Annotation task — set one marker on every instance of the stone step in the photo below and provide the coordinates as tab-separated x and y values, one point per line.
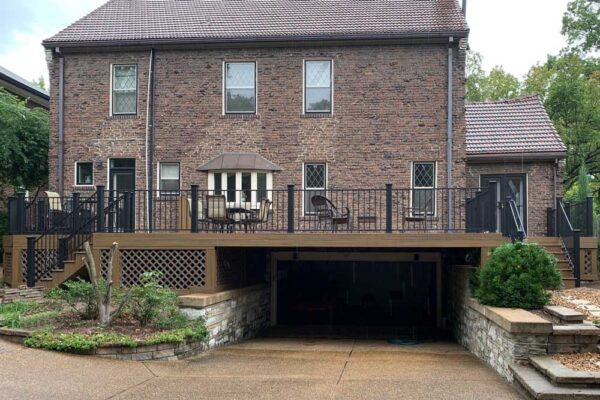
564	314
538	387
559	374
575	330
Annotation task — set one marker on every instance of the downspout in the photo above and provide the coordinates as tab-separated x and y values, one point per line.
61	123
450	138
150	144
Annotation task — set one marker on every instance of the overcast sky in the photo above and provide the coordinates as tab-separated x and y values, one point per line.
513	33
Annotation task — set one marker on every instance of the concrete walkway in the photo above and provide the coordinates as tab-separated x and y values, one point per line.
259	369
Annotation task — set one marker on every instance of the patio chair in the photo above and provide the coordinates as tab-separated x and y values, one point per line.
56	213
418	217
186	215
330	215
258	217
216	213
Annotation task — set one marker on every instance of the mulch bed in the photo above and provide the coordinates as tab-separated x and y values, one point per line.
580	361
71	322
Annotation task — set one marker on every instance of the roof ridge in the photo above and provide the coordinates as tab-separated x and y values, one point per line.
507	101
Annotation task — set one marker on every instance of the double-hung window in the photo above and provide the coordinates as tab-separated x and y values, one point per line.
84	173
240	88
243	189
423	193
124	90
318	86
315	183
168	178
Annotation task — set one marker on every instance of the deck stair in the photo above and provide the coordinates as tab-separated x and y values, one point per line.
60	275
554	246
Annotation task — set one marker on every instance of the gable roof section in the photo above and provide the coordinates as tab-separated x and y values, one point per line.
207	21
511	128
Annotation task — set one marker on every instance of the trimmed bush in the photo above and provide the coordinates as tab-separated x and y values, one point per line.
518	276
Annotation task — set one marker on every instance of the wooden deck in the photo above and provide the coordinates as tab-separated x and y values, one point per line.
306	240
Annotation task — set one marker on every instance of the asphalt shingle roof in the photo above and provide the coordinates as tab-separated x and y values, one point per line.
511	127
157	21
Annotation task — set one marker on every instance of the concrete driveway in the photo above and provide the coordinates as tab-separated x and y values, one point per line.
259	369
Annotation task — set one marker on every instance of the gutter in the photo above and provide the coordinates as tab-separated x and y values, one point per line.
267	40
492	157
61	123
450	144
150	134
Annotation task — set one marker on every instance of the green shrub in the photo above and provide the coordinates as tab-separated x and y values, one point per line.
195	332
19	307
79	295
518	276
18	320
150	303
77	342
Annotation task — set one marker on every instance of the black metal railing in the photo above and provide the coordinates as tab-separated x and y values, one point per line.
570	238
512	221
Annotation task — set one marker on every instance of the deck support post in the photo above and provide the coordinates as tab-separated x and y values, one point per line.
492	214
75	212
291	206
194	208
577	257
21	212
388	208
589	216
30	261
100	208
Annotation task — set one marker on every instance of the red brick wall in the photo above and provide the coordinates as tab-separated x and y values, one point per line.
389	110
540	187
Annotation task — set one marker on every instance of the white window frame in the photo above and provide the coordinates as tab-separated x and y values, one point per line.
75	179
111	100
331	85
253	204
412	187
311	188
225	111
159	179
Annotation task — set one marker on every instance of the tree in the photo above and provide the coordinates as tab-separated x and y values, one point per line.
497	85
570	88
24	136
581	25
104	297
583	183
40	82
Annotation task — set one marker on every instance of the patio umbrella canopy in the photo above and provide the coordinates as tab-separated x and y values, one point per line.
239	162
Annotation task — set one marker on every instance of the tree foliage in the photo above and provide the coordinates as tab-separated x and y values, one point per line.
581	25
24	136
495	85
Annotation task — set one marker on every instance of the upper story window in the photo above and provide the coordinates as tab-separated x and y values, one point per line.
318	86
315	183
168	178
124	90
423	193
84	173
240	88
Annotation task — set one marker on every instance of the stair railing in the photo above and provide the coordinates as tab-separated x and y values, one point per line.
515	228
60	240
570	239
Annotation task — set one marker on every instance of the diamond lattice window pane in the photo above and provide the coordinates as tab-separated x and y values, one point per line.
240	75
125	77
124	102
423	175
318	73
315	176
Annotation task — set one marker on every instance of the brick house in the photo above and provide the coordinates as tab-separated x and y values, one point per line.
329	134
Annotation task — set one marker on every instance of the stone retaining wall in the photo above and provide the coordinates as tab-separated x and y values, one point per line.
22	293
163	351
231	316
486	333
